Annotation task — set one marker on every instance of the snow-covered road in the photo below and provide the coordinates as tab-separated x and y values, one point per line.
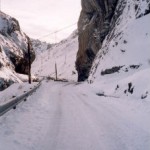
63	116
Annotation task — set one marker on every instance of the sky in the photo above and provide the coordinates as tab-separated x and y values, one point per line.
39	18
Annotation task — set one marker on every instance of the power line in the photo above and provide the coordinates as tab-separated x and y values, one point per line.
57	31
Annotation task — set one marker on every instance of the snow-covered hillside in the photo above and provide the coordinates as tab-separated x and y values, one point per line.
63	55
122	66
13	51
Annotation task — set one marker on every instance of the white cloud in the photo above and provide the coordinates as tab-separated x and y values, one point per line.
41	17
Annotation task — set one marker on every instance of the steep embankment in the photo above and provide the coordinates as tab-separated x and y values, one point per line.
122	66
62	54
13	51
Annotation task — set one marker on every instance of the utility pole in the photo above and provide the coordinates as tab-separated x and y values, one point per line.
29	60
41	64
56	71
55	36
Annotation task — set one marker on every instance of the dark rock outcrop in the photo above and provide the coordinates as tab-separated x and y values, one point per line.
21	63
93	26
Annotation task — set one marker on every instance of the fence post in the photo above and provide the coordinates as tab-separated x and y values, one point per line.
29	60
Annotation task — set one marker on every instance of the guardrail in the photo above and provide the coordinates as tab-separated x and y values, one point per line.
15	101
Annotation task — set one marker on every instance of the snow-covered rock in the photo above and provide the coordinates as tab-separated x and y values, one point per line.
39	46
13	51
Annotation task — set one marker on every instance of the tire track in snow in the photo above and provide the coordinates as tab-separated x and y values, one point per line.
66	117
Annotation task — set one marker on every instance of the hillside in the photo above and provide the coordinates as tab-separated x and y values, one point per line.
13	52
122	66
63	54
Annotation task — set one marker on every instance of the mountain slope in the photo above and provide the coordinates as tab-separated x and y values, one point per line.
63	55
122	66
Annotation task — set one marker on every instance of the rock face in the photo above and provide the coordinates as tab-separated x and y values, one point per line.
93	26
13	50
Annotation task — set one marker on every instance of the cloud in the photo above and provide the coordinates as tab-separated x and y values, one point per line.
41	17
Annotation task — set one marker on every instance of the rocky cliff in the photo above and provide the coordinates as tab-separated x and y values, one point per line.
93	26
13	51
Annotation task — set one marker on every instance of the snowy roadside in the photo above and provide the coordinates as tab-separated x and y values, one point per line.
15	90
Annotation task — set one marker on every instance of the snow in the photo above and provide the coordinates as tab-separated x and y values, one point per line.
15	90
67	116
